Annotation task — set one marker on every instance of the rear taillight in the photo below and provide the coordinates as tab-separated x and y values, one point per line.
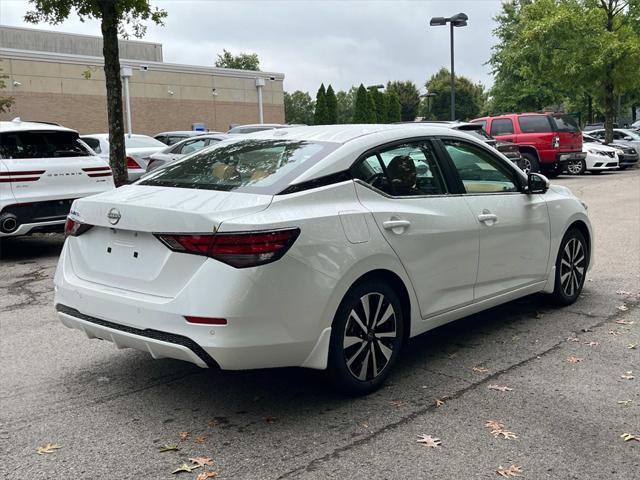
73	228
555	143
131	163
240	250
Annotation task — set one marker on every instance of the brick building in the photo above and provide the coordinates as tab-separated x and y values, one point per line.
59	77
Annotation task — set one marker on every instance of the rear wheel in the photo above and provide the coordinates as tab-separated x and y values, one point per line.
571	267
530	163
576	167
366	337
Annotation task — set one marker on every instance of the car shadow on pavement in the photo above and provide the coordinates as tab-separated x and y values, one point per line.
31	247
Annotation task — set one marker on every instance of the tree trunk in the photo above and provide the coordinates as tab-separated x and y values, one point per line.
589	109
117	153
609	108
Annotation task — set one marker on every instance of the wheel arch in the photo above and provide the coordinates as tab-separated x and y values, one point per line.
584	230
529	149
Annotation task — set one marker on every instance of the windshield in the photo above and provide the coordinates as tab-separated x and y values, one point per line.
142	142
258	166
41	144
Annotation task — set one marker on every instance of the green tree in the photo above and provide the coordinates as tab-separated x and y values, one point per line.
298	107
116	17
332	106
470	97
362	113
242	61
5	102
409	98
553	52
346	105
380	105
320	114
394	110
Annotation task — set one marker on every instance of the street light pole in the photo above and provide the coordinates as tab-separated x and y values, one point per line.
459	20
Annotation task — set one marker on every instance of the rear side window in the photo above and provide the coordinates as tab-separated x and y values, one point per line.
534	124
483	123
405	170
564	123
256	166
41	144
173	139
501	126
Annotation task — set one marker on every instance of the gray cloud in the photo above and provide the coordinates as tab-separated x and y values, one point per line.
338	42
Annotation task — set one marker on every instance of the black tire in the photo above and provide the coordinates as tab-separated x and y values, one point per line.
576	167
345	364
530	163
572	263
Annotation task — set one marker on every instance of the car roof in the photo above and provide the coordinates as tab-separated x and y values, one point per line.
105	136
17	125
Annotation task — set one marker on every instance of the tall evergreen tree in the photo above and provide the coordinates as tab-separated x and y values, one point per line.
320	114
395	108
332	106
373	117
381	105
408	96
361	111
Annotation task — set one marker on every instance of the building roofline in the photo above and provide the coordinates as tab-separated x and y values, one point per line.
84	35
11	53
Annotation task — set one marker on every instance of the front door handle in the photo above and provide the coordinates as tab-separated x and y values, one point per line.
396	226
488	217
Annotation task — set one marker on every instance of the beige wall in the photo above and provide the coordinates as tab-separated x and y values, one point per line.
162	98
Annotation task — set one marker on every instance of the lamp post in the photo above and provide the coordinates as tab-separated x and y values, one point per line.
459	20
375	87
428	96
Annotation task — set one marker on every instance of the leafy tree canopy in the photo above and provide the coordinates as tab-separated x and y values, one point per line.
408	96
242	61
470	97
5	102
298	107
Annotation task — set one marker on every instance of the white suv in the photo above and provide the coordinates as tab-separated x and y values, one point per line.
43	168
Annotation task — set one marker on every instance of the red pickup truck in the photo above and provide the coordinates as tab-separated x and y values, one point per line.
547	141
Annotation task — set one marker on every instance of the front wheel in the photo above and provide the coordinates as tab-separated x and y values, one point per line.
571	267
530	163
576	167
366	337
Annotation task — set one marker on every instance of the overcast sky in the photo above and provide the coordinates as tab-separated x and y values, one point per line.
342	43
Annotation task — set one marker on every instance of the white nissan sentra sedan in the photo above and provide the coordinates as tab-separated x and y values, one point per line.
323	247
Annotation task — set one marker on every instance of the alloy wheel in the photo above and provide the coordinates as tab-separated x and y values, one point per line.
369	336
575	167
572	267
527	165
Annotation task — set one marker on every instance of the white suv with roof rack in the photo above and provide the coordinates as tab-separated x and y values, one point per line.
44	167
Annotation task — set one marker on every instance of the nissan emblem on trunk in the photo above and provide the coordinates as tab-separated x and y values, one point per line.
114	216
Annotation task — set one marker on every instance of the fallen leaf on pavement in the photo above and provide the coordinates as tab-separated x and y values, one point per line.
592	344
614	332
212	423
207	474
494	425
506	434
48	448
539	315
623	292
500	388
624	322
184	436
201	438
623	308
573	339
632	346
628	375
512	471
270	419
573	359
480	369
453	355
429	441
439	402
627	437
185	468
201	461
169	447
396	403
624	402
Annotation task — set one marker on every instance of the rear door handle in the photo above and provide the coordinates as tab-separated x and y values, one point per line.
393	224
487	217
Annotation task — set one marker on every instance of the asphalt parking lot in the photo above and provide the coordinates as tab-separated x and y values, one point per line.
569	372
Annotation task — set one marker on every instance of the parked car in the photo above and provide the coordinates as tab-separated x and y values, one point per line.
596	126
326	248
509	150
137	147
636	125
43	169
256	127
627	156
171	138
185	147
547	141
623	136
599	158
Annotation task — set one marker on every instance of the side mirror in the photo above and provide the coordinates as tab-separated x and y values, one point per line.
537	183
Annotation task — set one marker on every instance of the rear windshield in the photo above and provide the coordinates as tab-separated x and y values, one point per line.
250	129
142	142
476	132
257	166
41	144
564	123
534	124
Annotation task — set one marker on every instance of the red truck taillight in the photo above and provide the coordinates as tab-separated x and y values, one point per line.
555	143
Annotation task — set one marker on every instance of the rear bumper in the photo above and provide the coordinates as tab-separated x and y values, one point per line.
563	158
27	228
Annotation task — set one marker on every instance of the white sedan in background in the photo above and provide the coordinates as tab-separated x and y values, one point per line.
138	150
599	157
323	247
